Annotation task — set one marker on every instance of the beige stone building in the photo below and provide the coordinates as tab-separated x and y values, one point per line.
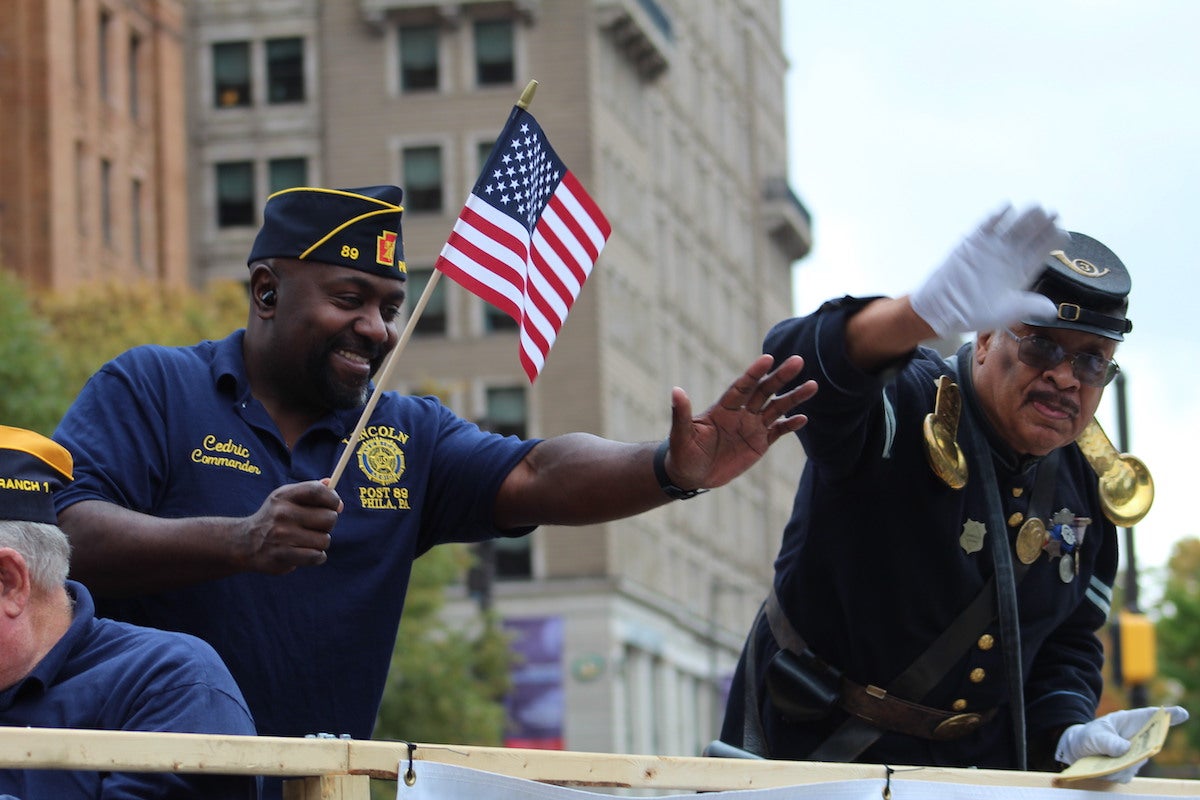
94	147
671	113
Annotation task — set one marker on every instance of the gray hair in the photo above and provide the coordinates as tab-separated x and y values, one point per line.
44	547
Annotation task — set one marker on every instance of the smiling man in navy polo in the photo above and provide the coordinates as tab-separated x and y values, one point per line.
199	503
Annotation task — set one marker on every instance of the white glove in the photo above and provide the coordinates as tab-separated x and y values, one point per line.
983	283
1109	736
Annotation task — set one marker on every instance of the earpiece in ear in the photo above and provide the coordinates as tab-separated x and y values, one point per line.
267	297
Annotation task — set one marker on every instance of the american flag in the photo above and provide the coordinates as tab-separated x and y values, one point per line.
527	237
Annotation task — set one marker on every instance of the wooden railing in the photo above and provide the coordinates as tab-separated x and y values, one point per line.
321	769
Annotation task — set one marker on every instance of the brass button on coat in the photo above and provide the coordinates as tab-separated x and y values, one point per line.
1016	519
978	674
959	704
986	642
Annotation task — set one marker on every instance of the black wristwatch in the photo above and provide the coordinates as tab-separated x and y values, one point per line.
664	482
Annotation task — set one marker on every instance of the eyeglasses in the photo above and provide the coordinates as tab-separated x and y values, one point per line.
1043	353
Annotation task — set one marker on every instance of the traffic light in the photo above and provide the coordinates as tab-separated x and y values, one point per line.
1134	660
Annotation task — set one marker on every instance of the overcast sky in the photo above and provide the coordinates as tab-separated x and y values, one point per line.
909	121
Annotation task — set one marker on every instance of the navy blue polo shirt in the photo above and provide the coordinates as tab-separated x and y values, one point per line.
175	432
880	556
106	675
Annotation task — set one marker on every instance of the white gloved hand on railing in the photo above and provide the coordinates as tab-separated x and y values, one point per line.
1109	736
984	281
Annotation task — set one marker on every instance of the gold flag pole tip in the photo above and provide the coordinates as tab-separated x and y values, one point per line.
527	95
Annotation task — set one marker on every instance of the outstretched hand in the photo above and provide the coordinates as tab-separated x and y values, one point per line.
713	448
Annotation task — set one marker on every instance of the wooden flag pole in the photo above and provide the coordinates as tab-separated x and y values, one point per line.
383	378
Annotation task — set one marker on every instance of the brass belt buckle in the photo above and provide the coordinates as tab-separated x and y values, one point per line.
956	726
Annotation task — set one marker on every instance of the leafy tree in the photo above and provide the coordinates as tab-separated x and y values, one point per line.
1178	648
444	685
34	393
94	323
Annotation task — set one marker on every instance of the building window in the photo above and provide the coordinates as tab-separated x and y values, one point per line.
506	411
482	151
432	321
106	201
78	49
231	74
135	84
235	194
506	414
418	58
495	320
135	221
494	52
285	70
422	178
105	31
81	189
286	173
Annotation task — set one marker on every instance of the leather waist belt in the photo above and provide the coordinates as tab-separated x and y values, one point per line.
874	705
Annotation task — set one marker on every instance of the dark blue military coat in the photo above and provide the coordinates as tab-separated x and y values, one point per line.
880	555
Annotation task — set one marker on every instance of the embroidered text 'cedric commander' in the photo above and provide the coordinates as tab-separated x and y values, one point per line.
356	228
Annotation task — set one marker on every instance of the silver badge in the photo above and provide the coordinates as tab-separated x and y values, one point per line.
1066	569
971	538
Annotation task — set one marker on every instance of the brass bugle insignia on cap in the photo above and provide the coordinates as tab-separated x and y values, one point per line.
941	435
1126	487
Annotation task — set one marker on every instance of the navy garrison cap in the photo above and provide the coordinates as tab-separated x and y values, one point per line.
355	228
32	468
1089	287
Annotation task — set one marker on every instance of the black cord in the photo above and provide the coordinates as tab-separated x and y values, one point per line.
410	774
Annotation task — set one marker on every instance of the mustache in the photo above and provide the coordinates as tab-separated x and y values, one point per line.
1055	400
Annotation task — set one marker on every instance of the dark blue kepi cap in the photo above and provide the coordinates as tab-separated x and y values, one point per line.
1089	287
355	228
32	468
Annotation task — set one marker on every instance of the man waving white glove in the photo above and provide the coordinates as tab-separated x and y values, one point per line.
1109	736
984	281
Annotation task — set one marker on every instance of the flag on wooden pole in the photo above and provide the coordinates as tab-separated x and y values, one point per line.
527	238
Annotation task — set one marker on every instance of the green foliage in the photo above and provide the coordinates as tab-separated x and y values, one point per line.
445	685
34	393
1177	636
93	324
51	344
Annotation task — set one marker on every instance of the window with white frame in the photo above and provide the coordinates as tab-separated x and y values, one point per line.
432	321
285	70
231	74
419	45
507	414
235	194
494	52
422	178
286	173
